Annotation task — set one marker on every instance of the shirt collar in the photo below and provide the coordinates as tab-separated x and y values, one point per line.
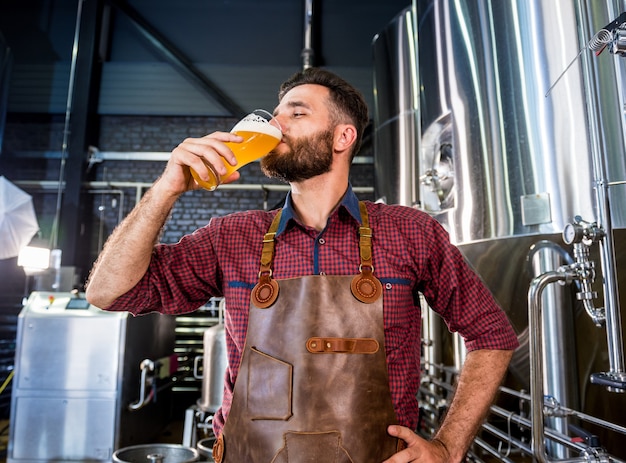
349	201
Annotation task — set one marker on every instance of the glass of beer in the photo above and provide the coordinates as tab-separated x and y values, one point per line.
261	134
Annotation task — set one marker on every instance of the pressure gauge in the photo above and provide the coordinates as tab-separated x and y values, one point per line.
572	233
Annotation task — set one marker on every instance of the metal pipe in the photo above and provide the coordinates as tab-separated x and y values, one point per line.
524	422
54	234
536	383
504	437
559	378
432	407
120	213
574	413
308	53
431	337
147	366
607	251
535	292
459	351
512	418
96	156
51	184
519	420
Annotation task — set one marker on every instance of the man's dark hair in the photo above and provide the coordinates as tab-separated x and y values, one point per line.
347	100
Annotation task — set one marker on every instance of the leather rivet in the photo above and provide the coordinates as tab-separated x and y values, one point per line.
314	344
265	292
366	287
328	345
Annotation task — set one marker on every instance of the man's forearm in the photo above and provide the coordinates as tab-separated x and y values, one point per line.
476	390
126	254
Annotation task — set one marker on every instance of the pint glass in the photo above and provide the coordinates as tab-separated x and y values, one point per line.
261	134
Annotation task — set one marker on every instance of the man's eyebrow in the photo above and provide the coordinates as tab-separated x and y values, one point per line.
294	104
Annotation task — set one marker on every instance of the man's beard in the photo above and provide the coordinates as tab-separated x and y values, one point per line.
307	158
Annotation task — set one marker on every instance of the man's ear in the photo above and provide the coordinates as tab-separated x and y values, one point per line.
345	137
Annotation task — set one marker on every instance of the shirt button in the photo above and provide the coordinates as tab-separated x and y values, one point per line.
388	286
321	241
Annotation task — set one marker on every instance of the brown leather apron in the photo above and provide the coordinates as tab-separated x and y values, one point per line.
313	383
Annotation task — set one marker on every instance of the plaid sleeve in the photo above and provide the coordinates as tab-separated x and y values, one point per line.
457	293
178	280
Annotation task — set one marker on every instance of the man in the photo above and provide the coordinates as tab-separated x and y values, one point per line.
317	370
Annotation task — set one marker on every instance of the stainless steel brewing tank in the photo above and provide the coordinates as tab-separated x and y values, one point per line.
77	368
491	156
496	157
396	115
501	163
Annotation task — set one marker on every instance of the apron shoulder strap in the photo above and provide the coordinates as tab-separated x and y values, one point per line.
365	238
265	291
365	286
267	254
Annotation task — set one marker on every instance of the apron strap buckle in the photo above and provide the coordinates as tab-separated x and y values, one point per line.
365	286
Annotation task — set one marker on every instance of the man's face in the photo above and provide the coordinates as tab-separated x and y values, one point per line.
306	150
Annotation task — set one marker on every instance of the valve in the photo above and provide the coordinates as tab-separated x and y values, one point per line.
581	235
581	231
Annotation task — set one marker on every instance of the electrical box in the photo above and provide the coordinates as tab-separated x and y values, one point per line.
77	368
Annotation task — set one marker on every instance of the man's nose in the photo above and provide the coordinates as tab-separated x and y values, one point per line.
282	122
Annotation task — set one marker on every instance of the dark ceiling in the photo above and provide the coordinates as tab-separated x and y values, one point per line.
244	47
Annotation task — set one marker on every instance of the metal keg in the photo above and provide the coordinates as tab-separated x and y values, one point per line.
215	362
205	448
156	453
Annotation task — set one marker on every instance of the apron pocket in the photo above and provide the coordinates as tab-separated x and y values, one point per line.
312	447
269	387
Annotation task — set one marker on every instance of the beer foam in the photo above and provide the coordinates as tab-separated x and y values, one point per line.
261	126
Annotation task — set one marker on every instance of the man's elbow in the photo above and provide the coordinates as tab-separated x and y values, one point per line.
97	297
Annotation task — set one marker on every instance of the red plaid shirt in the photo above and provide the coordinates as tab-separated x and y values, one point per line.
411	255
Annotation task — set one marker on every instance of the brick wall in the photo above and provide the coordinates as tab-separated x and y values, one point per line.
102	211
